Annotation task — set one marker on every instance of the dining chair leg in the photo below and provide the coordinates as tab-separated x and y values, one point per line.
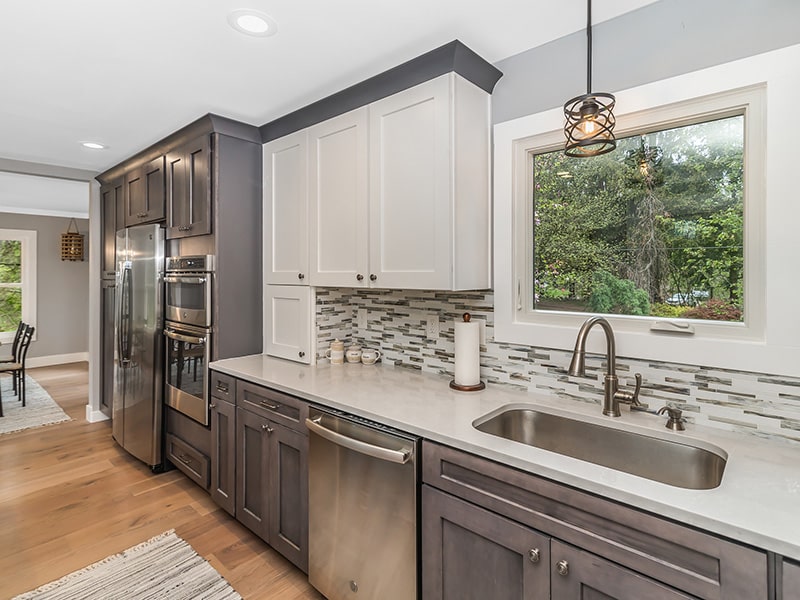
22	384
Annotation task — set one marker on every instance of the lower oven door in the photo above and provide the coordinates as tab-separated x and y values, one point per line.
187	353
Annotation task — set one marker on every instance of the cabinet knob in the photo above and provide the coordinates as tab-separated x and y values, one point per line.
562	568
267	428
300	276
534	555
360	277
212	406
301	354
373	277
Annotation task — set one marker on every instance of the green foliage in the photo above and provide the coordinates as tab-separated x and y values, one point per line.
664	210
611	294
662	309
10	273
715	310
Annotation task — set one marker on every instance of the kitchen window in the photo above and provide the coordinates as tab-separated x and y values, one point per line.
17	280
689	177
653	228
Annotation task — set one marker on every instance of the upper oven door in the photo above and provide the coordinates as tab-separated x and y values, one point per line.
188	298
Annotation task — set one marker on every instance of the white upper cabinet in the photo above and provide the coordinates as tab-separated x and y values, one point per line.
286	210
429	187
397	194
338	200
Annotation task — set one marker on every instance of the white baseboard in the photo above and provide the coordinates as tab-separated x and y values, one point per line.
56	359
95	416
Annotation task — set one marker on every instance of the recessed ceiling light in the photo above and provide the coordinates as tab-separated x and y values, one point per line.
252	22
94	145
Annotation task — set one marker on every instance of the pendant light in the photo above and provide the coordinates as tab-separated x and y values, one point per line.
590	118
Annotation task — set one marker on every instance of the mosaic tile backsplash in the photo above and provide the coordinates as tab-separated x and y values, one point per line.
751	403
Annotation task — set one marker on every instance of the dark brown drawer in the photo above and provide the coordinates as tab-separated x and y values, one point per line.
223	386
276	406
189	460
690	560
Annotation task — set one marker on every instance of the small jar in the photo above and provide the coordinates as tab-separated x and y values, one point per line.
353	354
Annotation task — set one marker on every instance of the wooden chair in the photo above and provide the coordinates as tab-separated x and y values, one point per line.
15	348
17	369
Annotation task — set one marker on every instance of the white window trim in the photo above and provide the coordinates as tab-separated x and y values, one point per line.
769	340
28	240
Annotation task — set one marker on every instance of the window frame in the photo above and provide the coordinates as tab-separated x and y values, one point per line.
748	103
716	92
27	238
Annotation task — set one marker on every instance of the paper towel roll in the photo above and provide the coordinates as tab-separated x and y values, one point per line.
468	352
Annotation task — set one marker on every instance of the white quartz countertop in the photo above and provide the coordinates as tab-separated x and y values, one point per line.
757	503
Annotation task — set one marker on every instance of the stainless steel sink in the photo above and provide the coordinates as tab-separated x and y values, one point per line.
684	464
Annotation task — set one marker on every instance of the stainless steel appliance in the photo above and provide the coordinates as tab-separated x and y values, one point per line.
188	281
188	284
363	508
188	355
137	407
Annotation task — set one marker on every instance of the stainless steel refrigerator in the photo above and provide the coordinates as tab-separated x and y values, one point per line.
137	409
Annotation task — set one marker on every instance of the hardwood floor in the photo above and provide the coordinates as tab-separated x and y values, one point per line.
69	496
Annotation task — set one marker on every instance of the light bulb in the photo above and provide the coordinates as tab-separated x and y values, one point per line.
587	126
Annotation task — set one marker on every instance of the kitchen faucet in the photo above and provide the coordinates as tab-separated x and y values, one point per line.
577	367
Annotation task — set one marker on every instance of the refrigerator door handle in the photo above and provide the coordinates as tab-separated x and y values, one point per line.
125	320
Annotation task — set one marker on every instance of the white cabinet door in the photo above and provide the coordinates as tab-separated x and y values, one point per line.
288	317
338	200
286	209
410	188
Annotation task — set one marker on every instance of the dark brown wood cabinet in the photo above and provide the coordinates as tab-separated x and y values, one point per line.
470	552
580	575
113	219
223	448
649	556
189	189
145	193
272	469
789	582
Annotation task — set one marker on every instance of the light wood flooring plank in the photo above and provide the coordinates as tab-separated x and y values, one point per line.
69	496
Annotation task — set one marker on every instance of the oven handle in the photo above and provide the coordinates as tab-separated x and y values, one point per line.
183	279
379	452
172	334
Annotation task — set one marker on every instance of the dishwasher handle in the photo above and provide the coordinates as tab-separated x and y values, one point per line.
379	452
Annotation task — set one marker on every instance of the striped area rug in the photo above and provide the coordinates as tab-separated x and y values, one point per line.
162	567
40	409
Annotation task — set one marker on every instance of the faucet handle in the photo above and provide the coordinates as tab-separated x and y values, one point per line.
632	398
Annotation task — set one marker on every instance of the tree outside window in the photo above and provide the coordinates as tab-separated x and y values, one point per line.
653	228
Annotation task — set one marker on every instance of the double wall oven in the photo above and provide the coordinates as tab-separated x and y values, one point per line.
188	289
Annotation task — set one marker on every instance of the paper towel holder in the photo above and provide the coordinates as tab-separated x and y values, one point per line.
467	388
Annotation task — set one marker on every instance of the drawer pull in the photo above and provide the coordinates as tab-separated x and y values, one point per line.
534	555
222	387
184	459
270	405
562	568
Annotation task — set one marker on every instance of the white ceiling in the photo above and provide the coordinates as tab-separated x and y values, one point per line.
126	73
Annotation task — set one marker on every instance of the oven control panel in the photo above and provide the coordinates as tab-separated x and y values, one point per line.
200	263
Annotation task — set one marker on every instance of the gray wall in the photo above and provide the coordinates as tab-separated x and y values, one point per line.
62	287
658	41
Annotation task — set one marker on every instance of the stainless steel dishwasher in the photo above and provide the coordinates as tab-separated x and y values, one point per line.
362	508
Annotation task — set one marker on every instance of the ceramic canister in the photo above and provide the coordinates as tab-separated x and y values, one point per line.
336	352
353	354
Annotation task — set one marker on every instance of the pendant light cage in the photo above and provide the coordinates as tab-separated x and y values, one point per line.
589	127
72	243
